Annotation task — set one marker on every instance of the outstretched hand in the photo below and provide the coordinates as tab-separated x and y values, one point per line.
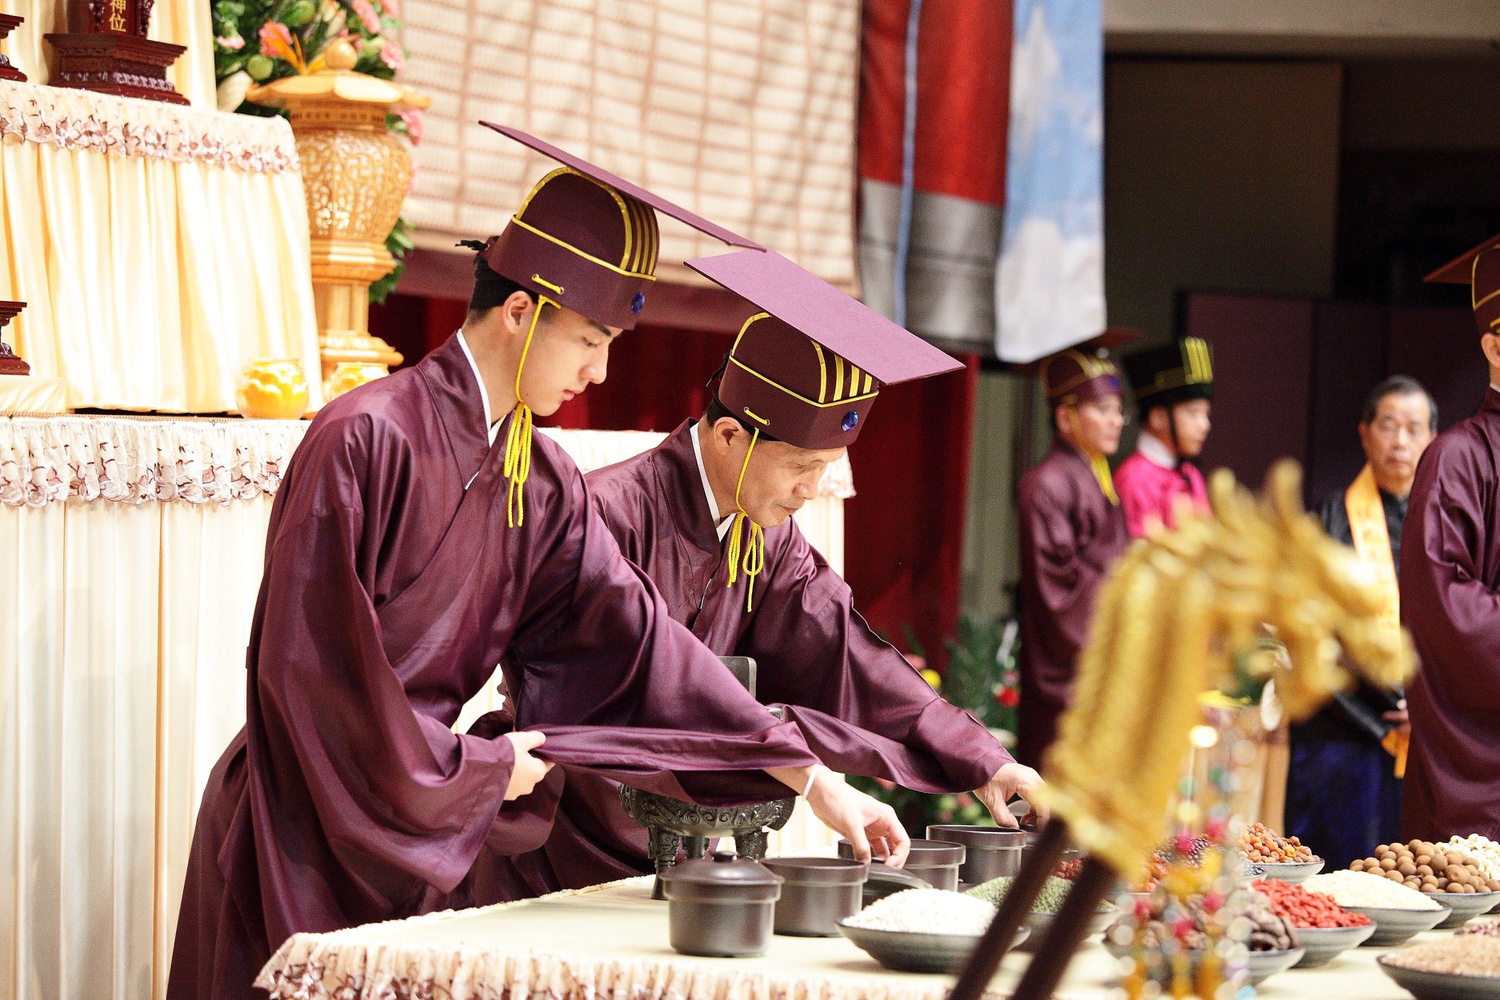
860	819
1012	779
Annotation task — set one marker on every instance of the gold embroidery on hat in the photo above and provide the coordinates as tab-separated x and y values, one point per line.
1089	369
518	221
795	394
838	378
822	372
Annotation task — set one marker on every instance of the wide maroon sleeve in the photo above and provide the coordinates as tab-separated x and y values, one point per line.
395	796
1058	577
1453	616
600	651
861	706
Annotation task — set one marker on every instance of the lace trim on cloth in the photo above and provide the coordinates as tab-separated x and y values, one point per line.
313	967
134	461
80	119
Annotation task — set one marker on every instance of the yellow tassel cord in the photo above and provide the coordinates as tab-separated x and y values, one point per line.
518	436
754	550
1100	466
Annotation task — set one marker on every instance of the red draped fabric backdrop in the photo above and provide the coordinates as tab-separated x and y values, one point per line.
904	530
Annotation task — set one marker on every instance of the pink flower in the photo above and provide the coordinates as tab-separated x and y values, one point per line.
413	121
366	12
391	7
276	40
234	42
392	56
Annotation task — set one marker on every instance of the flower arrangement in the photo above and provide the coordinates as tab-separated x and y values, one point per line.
256	41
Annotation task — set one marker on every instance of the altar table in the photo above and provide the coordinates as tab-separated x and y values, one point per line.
611	941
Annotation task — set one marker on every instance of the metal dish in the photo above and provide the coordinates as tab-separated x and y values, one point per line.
1260	965
914	951
1440	985
1039	923
1465	906
883	880
1323	944
1287	871
1395	926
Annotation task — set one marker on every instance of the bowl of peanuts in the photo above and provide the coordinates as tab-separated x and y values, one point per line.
1267	854
1443	871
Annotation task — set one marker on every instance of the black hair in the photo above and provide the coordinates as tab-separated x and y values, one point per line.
716	410
491	289
1399	385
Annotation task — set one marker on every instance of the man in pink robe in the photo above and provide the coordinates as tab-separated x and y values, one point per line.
1173	386
1450	599
412	548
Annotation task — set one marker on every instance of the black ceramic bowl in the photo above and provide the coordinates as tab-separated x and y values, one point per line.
817	893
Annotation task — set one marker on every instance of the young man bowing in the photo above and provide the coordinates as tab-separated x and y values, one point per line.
421	537
707	514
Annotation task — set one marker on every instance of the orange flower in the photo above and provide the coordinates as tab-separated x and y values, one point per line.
276	42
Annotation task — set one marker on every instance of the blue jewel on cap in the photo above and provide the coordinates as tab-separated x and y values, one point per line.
850	421
638	303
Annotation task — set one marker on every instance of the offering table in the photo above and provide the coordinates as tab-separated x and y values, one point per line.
134	552
611	941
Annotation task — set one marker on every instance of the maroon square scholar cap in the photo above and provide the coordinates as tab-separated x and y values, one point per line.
806	369
587	239
1479	268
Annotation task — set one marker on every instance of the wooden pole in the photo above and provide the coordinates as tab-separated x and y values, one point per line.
1067	932
1014	907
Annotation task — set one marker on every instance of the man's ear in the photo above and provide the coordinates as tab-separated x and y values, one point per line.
725	430
515	311
1490	344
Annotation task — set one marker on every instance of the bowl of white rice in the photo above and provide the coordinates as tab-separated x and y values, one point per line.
921	930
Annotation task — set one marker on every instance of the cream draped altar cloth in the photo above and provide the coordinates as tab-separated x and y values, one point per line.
159	249
134	549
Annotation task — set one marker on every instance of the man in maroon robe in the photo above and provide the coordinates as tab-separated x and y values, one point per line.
413	547
1450	599
791	400
1072	528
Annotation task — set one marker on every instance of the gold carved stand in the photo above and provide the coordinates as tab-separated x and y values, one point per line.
356	174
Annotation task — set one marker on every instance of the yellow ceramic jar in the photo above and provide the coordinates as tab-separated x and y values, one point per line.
272	390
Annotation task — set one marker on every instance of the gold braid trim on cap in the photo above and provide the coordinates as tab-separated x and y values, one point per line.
1174	612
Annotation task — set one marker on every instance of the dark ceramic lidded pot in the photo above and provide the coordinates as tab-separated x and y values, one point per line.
817	893
721	906
933	861
990	851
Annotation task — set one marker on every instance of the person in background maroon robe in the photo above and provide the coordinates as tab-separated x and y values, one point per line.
1072	528
1450	600
1174	388
414	546
673	509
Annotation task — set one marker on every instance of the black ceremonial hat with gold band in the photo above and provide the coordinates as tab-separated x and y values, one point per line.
1172	374
584	239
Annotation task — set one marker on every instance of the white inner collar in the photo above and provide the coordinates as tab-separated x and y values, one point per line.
721	523
1155	450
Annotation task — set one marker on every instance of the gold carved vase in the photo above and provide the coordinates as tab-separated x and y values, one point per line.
356	174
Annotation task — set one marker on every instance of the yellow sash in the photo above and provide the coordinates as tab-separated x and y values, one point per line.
1373	543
